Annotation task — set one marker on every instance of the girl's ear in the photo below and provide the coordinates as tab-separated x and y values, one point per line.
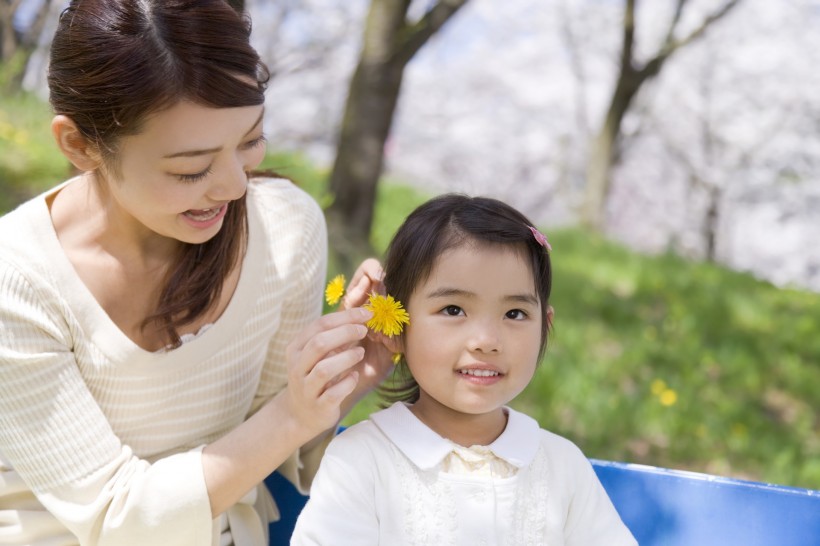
550	315
73	144
394	344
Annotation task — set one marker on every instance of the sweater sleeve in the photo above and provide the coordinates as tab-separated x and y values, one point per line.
57	438
299	232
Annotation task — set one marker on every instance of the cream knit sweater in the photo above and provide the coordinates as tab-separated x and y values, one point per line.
100	440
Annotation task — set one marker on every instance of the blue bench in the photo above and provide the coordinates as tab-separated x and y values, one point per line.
676	508
668	508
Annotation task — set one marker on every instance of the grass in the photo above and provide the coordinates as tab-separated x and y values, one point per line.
654	360
29	159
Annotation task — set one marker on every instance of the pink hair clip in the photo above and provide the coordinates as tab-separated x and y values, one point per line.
540	238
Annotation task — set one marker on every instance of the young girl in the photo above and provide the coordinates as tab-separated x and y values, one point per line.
448	462
161	350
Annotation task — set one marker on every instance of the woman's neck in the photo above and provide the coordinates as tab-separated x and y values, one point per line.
86	216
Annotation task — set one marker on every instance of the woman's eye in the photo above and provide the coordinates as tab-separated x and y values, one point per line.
196	177
261	139
452	310
516	314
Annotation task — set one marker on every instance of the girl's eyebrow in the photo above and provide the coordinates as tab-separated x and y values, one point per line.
448	292
532	299
194	153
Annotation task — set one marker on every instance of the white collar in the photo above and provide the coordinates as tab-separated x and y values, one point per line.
425	448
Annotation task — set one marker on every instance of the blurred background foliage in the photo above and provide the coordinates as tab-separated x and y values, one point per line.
653	359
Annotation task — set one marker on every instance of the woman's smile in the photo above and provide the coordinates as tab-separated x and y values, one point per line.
205	218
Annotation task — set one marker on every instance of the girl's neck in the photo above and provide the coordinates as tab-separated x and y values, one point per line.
464	429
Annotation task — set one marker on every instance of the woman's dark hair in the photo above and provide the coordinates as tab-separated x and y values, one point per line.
447	222
116	62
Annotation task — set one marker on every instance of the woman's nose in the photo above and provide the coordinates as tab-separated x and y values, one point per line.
231	184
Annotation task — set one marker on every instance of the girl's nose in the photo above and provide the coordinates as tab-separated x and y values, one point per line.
485	338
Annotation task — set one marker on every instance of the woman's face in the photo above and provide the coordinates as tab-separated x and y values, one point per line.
179	175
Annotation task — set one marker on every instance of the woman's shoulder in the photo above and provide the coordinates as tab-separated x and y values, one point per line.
288	222
281	196
23	237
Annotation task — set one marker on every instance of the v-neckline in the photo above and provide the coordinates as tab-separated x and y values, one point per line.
108	337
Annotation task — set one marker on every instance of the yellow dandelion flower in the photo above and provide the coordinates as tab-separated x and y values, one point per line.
335	290
668	397
658	386
389	316
396	358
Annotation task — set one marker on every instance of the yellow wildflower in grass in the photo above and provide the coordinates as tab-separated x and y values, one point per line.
668	397
389	316
335	290
665	394
658	386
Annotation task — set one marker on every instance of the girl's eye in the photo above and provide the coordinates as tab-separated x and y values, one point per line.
258	141
516	314
453	310
196	177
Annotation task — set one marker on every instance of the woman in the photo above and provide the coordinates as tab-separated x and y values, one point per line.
160	346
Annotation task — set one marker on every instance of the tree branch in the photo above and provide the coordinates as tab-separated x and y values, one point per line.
629	37
413	37
673	24
707	23
654	65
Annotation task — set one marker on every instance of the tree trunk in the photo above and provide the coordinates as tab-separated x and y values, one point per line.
8	39
374	92
390	41
630	79
16	48
603	149
710	224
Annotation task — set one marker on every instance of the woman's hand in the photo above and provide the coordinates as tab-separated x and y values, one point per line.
377	362
322	368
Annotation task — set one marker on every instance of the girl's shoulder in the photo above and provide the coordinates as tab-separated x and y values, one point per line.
358	442
524	433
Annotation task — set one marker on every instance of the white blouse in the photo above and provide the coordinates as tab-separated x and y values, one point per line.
383	482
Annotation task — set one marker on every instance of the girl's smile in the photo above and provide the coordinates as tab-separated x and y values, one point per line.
473	341
480	374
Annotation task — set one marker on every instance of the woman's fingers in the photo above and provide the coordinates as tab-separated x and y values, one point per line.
330	322
366	279
331	369
370	268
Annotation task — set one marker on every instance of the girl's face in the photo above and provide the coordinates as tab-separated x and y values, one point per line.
475	331
178	176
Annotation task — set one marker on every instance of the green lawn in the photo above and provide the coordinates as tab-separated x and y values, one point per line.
29	159
654	360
